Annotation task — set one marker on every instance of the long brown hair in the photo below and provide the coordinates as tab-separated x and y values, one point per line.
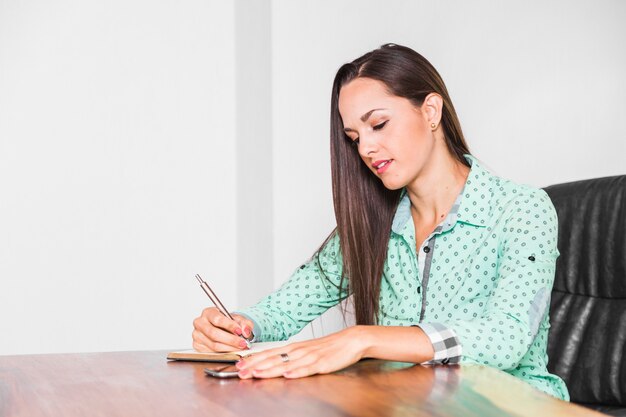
364	208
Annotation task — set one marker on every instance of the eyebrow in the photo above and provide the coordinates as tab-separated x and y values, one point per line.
368	114
363	118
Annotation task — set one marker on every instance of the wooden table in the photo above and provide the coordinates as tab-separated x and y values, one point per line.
145	384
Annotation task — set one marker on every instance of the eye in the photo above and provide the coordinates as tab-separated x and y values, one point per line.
380	125
352	141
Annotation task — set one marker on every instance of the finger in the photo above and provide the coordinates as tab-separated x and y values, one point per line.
217	319
200	338
280	368
257	358
272	366
199	347
213	346
273	372
222	337
211	319
308	365
245	324
254	363
217	335
301	372
290	349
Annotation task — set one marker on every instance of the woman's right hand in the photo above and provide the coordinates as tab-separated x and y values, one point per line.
214	332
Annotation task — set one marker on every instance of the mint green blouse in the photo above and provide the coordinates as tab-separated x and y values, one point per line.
483	277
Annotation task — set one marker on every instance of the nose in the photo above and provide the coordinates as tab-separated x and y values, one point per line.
367	145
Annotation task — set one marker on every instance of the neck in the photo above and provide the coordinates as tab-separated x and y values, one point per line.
434	191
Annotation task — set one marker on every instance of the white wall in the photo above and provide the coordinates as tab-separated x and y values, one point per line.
130	158
116	171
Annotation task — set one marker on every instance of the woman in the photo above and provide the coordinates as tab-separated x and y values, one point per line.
447	263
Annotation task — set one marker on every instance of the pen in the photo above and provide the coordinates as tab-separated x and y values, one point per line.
219	304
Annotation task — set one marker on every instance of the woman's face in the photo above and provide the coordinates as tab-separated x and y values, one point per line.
393	136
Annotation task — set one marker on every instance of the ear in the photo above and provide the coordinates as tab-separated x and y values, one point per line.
431	108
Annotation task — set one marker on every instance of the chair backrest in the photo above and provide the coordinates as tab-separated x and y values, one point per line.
587	342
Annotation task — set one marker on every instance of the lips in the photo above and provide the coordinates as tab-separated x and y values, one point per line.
381	165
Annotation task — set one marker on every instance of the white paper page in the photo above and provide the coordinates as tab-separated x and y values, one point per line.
254	348
261	346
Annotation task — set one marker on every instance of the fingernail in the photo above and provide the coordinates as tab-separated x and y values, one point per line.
240	364
242	344
238	331
245	372
286	374
246	332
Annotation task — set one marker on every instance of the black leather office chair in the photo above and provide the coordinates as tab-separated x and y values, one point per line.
587	342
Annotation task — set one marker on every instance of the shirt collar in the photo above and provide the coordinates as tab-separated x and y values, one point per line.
477	193
473	201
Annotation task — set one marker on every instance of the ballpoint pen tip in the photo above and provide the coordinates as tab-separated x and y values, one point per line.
198	278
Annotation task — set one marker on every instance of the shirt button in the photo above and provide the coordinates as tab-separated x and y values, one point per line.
419	290
426	249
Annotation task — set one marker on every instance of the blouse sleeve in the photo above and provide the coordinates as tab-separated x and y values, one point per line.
503	334
311	290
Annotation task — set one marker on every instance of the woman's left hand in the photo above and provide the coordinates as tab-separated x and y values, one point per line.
317	356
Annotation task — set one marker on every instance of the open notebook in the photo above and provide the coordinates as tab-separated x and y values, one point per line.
193	355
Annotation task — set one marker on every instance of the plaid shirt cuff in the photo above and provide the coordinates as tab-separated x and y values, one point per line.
445	343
